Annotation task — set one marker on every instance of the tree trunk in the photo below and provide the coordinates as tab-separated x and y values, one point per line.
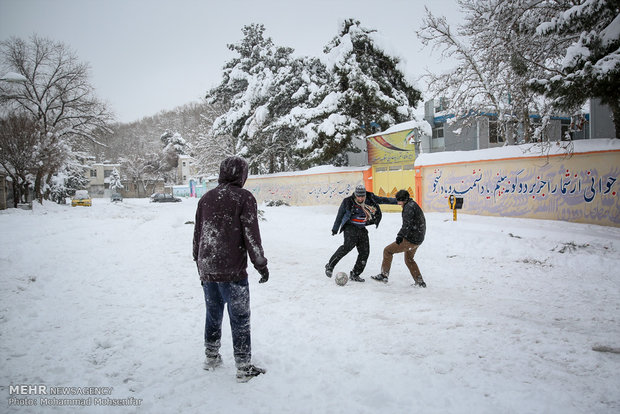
16	193
615	110
37	186
527	134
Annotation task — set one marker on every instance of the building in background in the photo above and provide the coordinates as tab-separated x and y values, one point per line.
482	132
99	175
185	170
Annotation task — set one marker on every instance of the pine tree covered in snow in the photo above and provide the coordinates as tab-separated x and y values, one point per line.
115	180
367	93
294	112
250	87
174	142
591	64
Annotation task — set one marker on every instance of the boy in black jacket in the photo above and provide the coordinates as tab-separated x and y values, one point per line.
409	238
357	211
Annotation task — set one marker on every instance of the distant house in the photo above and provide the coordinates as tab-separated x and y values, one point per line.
99	175
185	170
482	132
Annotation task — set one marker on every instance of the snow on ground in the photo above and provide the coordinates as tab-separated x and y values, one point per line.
109	296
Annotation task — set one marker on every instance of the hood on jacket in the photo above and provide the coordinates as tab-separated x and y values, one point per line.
233	170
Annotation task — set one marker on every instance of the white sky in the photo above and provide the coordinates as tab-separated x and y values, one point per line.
150	55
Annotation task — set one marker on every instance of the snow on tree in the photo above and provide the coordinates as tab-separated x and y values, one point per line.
19	136
590	67
56	95
366	92
64	183
252	90
497	54
174	142
209	149
293	112
115	180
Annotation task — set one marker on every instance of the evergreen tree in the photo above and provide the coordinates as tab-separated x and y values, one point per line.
366	92
249	85
115	180
591	64
298	112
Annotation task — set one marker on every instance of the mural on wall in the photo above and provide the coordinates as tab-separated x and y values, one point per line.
577	189
304	190
391	148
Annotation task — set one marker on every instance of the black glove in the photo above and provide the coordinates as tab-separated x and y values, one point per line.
264	272
399	239
334	233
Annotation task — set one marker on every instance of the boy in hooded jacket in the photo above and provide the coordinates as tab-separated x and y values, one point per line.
357	211
409	238
226	231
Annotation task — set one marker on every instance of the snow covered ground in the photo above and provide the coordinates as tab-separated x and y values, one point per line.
108	296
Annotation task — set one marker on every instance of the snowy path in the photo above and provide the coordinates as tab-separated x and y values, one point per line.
108	296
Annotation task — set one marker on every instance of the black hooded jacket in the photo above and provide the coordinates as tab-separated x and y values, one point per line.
414	223
226	229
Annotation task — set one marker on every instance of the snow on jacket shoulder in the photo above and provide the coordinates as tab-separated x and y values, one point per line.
226	228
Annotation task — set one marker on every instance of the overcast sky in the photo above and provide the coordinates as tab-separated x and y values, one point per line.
150	55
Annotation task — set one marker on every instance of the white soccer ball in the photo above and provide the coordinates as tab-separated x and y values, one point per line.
341	278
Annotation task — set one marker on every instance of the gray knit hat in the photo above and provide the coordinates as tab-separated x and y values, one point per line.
360	190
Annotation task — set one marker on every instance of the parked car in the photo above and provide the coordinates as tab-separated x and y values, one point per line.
116	197
81	198
164	198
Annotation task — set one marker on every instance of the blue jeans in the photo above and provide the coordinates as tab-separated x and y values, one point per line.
237	296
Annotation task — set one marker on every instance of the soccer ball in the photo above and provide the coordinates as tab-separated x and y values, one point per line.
341	278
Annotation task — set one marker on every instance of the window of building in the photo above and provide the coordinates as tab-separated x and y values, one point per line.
93	173
107	173
495	135
438	130
567	133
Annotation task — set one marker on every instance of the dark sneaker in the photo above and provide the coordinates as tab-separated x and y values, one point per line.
356	278
244	374
328	271
212	362
380	278
420	284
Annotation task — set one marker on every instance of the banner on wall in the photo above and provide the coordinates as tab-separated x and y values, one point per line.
582	188
391	148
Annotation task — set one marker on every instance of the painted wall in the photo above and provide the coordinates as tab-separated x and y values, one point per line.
581	188
309	189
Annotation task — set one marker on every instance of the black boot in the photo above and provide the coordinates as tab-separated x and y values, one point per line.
380	278
356	278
